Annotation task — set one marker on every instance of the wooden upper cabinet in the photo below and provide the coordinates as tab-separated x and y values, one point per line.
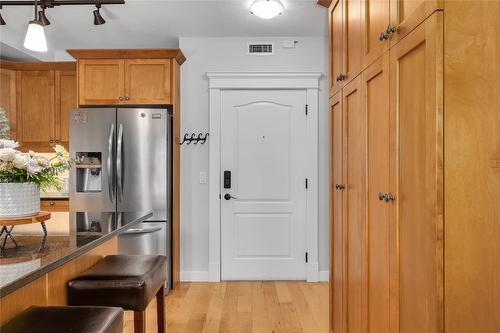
65	100
335	18
406	15
147	81
101	81
35	110
8	97
416	105
351	39
375	20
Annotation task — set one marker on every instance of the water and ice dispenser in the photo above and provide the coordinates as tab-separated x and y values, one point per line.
89	172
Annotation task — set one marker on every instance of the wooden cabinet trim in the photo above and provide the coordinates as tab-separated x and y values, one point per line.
38	66
128	54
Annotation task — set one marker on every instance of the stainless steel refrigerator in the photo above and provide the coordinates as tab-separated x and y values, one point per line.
124	165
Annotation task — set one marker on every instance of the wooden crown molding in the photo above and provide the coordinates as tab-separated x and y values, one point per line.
324	3
38	65
128	54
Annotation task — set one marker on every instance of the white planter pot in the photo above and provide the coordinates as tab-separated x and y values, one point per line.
19	199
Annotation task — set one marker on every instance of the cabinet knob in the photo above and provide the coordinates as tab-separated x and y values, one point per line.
57	141
340	77
51	141
339	187
52	203
390	29
120	98
127	98
386	197
383	36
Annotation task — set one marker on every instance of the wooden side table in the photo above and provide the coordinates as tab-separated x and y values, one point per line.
7	226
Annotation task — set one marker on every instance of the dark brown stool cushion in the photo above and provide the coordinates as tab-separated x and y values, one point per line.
66	319
125	281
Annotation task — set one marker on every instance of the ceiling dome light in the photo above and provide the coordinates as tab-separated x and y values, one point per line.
267	9
35	36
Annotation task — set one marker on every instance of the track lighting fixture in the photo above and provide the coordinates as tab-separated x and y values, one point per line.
35	35
2	22
98	20
44	21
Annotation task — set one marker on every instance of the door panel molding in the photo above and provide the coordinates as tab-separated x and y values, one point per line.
220	81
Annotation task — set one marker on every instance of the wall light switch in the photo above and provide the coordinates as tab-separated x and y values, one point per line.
203	177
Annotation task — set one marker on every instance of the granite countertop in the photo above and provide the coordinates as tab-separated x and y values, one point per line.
19	266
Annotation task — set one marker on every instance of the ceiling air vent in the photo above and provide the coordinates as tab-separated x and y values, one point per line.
260	49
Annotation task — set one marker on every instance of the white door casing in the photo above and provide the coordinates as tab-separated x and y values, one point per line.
263	136
220	83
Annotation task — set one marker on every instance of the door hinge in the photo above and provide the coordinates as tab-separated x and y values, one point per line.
307	109
220	196
307	183
307	257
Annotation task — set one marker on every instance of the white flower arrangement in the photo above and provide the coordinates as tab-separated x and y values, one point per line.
31	167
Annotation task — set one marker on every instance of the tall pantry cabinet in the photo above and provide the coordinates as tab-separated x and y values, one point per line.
414	166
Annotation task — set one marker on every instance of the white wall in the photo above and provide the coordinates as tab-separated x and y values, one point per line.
229	54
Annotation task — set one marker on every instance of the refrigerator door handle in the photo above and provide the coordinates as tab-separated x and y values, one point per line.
111	177
119	163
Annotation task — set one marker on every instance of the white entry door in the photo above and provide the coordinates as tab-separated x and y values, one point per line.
263	199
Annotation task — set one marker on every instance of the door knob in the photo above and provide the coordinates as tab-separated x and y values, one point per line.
389	197
228	196
120	98
339	187
381	196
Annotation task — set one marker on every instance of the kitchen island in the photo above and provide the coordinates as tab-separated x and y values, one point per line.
30	276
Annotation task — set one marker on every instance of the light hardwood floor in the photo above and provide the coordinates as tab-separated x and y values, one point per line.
234	307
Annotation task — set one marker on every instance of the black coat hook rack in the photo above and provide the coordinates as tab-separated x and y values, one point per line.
193	138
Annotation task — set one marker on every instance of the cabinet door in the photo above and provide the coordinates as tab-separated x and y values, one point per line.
147	81
376	270
8	98
416	106
65	100
100	82
35	113
335	17
351	39
375	18
406	15
336	219
354	203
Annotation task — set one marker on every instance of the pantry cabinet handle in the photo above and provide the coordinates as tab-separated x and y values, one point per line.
390	29
127	98
120	98
383	36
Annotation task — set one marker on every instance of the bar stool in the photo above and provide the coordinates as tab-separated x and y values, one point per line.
126	281
74	319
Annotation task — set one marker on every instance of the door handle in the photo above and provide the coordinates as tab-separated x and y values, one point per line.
111	178
228	196
119	163
339	187
386	197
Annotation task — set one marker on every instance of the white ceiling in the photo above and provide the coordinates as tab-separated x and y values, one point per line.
159	23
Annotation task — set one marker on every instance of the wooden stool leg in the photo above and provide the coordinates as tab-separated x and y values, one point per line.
160	309
139	321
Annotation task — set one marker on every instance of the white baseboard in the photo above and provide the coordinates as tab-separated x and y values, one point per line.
194	276
324	275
